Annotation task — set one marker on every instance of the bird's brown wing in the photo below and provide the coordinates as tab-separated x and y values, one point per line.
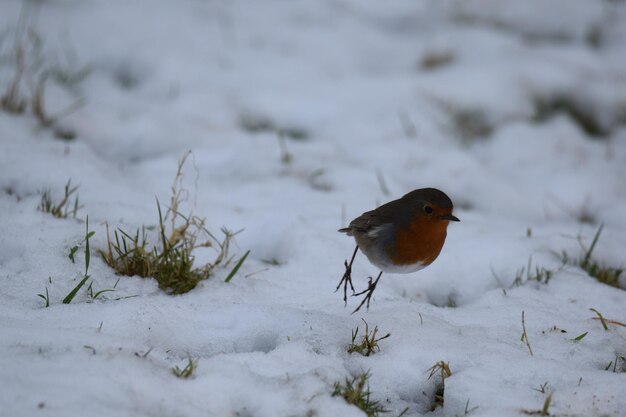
392	212
366	221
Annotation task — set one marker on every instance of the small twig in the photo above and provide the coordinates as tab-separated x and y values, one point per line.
524	337
615	322
144	354
256	272
91	348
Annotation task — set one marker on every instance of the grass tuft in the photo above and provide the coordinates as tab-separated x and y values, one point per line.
32	70
356	391
527	274
436	59
12	101
368	344
258	123
64	208
546	404
443	369
601	272
69	297
171	261
187	371
606	274
471	124
85	275
613	365
581	113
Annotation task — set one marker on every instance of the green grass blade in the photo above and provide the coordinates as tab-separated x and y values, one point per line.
162	228
593	245
46	297
580	337
87	251
68	298
546	405
601	318
236	268
96	295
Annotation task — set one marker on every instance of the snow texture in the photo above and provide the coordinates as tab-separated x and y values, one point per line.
373	99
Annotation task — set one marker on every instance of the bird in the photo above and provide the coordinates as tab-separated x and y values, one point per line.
401	236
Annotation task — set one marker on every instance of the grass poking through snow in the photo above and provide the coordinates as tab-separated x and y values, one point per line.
537	274
546	405
237	266
356	391
187	371
443	369
543	388
524	337
579	111
46	298
171	261
602	272
69	297
368	344
65	207
436	59
601	318
33	69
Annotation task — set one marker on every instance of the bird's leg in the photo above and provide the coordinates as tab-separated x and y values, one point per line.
347	278
371	286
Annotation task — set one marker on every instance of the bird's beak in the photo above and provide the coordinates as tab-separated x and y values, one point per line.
451	218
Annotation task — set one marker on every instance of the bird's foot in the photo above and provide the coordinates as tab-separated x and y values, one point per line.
371	286
346	280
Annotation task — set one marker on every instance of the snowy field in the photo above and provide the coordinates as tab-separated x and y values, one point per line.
301	116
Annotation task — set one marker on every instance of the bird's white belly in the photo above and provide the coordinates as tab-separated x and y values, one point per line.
400	269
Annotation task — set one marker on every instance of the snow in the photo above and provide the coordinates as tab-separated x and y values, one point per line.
167	77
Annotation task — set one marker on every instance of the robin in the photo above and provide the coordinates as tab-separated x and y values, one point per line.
402	236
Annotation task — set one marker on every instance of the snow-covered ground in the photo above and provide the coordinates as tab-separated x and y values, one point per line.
516	109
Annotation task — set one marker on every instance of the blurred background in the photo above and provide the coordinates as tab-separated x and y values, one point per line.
300	116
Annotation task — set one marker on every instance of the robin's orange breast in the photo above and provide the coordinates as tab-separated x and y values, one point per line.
420	242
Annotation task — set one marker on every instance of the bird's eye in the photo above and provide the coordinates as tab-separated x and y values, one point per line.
428	209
